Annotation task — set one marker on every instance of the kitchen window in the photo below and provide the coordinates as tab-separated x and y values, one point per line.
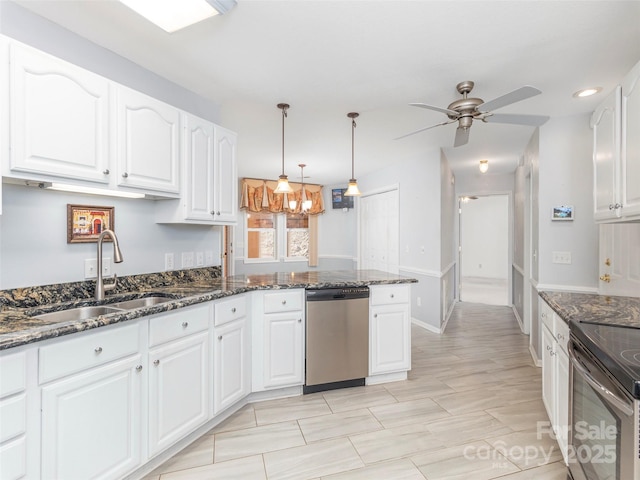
271	237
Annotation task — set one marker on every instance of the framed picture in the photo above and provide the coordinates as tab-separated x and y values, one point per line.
563	212
85	223
338	199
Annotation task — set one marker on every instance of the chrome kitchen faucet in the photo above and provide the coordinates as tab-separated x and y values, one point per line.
117	258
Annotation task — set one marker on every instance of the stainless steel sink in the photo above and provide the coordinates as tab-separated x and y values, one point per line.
140	302
80	313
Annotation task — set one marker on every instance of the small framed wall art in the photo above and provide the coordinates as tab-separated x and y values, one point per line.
338	199
563	212
86	222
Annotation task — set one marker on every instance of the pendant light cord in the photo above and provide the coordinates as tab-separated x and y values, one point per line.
353	129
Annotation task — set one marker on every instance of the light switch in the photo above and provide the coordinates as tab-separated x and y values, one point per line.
561	257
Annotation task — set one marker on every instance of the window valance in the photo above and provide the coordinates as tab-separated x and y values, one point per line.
258	196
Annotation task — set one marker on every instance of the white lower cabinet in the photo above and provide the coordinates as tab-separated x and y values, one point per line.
179	375
555	373
231	363
390	329
91	422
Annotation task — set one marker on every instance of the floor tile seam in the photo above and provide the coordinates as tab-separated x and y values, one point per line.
294	419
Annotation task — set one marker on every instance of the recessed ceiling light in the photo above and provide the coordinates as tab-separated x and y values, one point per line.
173	15
587	92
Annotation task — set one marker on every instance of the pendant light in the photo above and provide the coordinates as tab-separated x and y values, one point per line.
305	205
484	166
352	189
283	182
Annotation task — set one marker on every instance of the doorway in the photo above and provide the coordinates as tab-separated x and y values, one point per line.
484	249
379	230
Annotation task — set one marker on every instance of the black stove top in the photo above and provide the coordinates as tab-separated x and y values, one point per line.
617	348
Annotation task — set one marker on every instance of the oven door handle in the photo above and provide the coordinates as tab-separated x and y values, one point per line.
624	406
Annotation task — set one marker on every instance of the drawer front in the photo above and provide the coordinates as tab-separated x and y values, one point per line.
13	417
546	315
389	294
13	459
92	349
226	311
289	301
561	332
179	323
13	373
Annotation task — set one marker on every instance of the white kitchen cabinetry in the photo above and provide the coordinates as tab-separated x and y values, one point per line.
616	152
232	356
390	329
59	116
209	185
179	375
555	373
147	142
279	339
92	404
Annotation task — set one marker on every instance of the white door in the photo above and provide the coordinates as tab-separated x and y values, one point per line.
619	259
484	252
380	231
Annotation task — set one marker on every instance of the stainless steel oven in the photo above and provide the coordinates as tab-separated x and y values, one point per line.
604	409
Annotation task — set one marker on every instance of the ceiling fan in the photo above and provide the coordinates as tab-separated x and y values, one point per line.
467	109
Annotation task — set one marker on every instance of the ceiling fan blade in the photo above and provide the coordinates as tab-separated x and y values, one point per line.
521	93
515	119
425	128
462	136
446	111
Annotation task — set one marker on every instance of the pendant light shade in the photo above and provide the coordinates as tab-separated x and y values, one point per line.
305	205
484	166
352	189
283	181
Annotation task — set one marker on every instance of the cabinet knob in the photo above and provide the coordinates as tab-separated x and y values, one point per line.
560	337
217	213
233	310
605	278
284	302
98	350
375	315
212	212
392	295
106	171
185	324
299	320
139	368
156	362
219	337
125	175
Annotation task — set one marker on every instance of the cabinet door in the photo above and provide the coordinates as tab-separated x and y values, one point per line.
199	172
59	118
91	422
232	380
225	176
630	167
390	337
605	122
148	141
179	386
562	400
548	353
283	350
619	259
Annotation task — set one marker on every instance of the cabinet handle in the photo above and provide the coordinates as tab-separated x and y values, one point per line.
284	302
299	320
106	171
544	315
560	337
125	175
98	350
375	315
392	295
233	310
212	212
139	368
185	324
219	337
156	362
605	278
217	213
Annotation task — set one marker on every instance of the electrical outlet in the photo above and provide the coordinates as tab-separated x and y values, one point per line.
208	257
90	267
168	261
106	267
561	257
187	259
199	259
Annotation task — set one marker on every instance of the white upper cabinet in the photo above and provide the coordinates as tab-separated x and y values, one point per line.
616	152
59	117
199	169
147	142
225	176
630	165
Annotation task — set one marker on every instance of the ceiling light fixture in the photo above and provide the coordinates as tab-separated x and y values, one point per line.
484	166
306	204
283	181
587	92
173	15
352	189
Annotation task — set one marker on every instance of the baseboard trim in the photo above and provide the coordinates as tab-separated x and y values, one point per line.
425	325
536	361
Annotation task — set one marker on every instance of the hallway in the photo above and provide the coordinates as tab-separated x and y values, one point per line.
468	411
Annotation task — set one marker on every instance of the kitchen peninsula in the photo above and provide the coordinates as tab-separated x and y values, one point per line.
144	382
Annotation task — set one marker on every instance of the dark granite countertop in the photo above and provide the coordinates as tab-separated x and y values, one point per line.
592	308
18	307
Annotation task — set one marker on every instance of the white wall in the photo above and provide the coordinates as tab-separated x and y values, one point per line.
566	178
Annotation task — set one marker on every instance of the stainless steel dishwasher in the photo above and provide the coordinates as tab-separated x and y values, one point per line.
337	341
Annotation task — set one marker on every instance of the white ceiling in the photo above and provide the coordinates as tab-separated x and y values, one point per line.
327	58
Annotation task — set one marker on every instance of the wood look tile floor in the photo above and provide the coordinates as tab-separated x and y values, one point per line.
469	411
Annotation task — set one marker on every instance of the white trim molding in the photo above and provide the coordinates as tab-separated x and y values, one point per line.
419	271
426	326
565	288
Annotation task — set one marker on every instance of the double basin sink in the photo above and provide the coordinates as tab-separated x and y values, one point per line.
91	311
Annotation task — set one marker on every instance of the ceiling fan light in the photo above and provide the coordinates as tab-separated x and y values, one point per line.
352	189
484	166
283	185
